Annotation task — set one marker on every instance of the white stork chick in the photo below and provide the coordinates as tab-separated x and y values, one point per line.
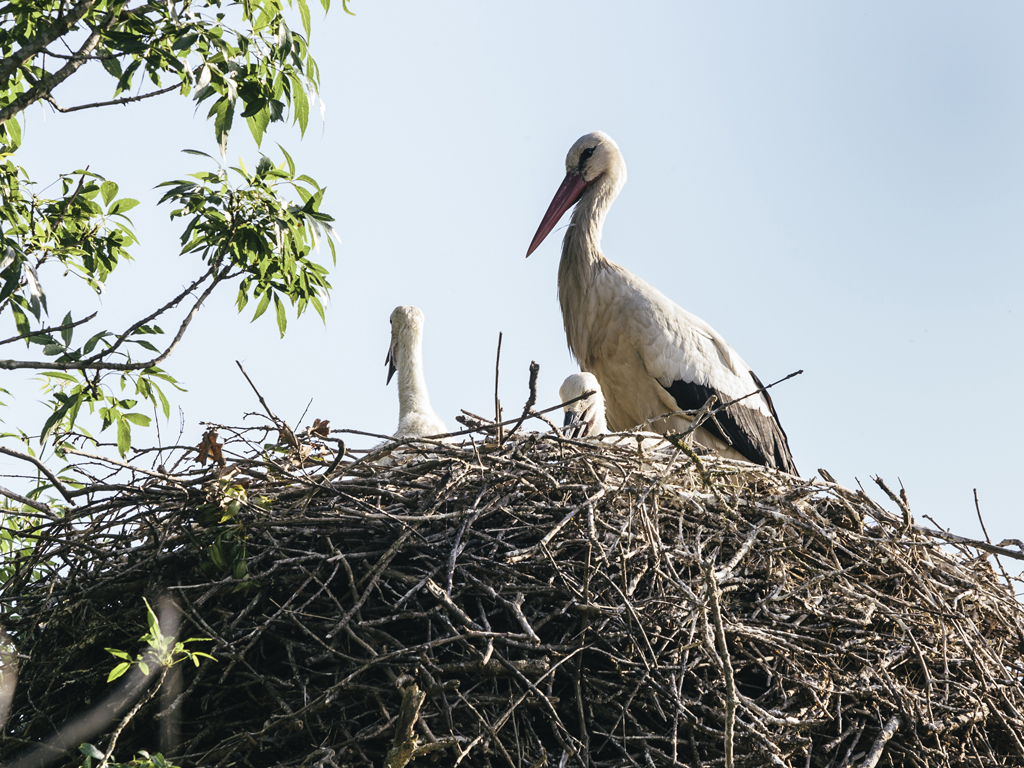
405	355
583	418
650	355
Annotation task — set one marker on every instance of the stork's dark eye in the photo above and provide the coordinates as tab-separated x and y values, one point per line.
586	155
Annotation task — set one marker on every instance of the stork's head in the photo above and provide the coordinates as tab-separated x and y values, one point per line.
583	418
593	155
594	159
406	331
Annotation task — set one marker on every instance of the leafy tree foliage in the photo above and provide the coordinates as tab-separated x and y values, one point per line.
257	230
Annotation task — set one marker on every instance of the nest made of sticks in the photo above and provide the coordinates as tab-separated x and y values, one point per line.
545	602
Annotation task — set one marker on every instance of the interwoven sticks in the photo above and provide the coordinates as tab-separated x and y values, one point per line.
549	602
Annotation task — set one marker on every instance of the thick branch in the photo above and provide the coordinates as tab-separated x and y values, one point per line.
44	38
42	89
36	505
42	468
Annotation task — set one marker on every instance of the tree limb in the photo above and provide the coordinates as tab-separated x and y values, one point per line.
96	363
43	88
36	505
42	468
63	327
113	102
169	305
44	38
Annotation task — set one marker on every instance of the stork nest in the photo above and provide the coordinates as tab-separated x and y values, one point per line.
545	602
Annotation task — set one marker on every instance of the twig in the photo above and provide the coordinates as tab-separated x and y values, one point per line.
282	425
487	424
403	746
530	401
888	731
46	85
995	549
901	502
731	698
497	402
46	35
117	463
96	362
113	102
63	327
127	718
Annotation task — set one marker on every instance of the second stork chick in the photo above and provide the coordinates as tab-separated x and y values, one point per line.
583	418
405	356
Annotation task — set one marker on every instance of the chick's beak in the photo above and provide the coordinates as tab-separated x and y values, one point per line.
572	426
389	361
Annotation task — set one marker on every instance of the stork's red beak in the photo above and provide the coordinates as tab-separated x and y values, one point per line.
568	193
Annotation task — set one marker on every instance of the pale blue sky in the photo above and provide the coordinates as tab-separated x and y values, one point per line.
834	187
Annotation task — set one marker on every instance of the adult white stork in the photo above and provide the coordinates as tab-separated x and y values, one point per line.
650	355
583	418
405	355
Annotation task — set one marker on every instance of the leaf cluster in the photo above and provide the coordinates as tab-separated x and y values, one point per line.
163	651
238	56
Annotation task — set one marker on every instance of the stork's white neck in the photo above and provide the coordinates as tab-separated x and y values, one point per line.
412	386
582	258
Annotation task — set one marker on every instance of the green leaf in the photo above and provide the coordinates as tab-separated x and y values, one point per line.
288	159
258	124
164	405
124	436
90	751
264	303
65	333
192	152
59	375
13	129
109	190
123	205
118	653
185	42
282	318
301	104
304	13
138	418
116	672
224	110
152	620
20	320
57	415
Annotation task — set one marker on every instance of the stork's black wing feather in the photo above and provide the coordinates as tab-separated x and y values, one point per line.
757	437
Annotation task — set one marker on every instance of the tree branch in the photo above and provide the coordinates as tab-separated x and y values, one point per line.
48	330
96	363
43	88
169	305
42	468
36	505
113	102
44	38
